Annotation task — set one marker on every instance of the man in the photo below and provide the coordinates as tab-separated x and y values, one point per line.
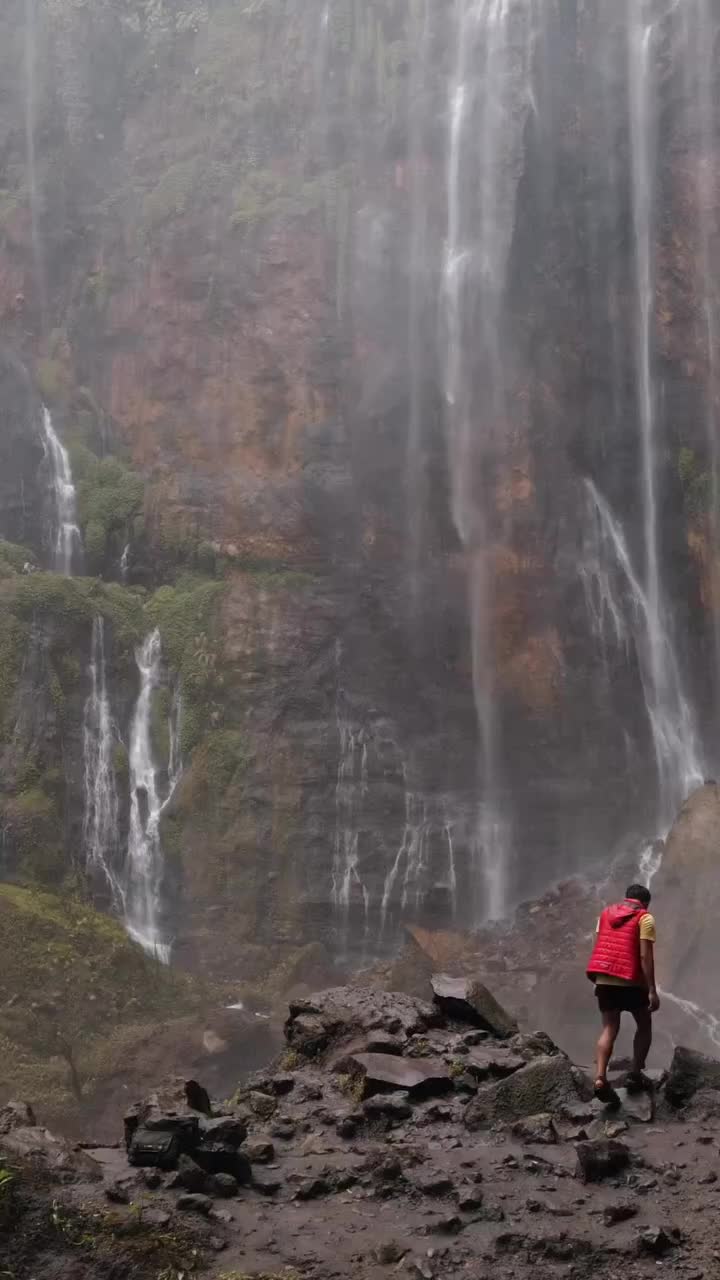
622	966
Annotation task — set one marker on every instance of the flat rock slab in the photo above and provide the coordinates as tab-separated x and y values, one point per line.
56	1157
466	1000
419	1077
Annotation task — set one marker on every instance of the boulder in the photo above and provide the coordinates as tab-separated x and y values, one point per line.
543	1085
118	1192
58	1160
602	1158
434	1183
223	1185
536	1129
262	1105
535	1044
343	1013
466	1000
258	1150
656	1241
393	1107
491	1062
223	1157
419	1077
187	1177
284	1128
228	1129
690	1072
16	1115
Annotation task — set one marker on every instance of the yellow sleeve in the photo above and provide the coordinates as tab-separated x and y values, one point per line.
647	929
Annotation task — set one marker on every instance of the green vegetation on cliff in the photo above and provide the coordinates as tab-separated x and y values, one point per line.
187	616
70	981
110	503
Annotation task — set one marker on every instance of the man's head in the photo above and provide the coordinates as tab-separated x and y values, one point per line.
638	893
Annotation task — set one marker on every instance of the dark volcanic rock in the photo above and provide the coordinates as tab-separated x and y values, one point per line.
262	1105
620	1212
284	1128
492	1061
223	1157
223	1185
469	1001
258	1150
420	1077
195	1204
656	1241
540	1129
227	1129
544	1085
16	1115
434	1183
345	1012
689	1072
118	1192
187	1177
601	1159
57	1158
393	1106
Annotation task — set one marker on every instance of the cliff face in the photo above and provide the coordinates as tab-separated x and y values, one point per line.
338	310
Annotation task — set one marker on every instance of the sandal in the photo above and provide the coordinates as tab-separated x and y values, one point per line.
604	1092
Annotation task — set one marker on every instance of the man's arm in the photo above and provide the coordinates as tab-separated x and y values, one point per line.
647	959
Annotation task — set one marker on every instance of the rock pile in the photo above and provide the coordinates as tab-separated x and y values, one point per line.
393	1129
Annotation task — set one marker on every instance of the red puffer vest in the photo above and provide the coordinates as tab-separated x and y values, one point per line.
617	948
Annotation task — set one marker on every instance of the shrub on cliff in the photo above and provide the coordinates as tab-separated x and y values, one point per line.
110	499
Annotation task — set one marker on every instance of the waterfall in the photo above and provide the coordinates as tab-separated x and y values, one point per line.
125	562
30	124
144	872
623	611
100	828
698	42
66	537
350	791
490	98
642	141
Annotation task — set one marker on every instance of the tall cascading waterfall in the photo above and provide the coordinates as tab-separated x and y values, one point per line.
100	829
490	99
624	615
698	44
30	155
144	866
66	537
626	593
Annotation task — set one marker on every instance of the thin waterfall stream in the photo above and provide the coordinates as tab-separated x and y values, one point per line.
66	539
100	737
143	908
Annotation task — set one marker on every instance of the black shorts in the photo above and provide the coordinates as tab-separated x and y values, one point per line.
612	999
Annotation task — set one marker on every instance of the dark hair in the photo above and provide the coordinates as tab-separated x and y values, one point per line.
639	893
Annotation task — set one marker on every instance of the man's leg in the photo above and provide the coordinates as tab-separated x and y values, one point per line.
643	1040
606	1044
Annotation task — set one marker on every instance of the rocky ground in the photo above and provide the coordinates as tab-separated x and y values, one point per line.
394	1136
